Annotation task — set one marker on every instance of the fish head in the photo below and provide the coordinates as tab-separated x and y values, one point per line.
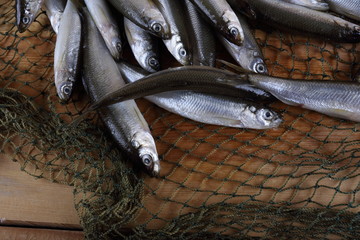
23	19
234	33
160	28
115	41
178	50
64	90
144	146
149	61
258	117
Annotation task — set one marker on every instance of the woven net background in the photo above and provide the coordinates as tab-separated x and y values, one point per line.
300	180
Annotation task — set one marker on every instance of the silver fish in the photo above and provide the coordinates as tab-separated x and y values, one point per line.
26	11
206	108
334	98
248	55
221	15
143	46
67	48
124	120
348	8
319	5
145	14
107	26
54	10
202	37
178	44
297	18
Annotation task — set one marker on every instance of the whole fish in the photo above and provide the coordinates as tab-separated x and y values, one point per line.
143	46
319	5
197	78
178	44
248	55
26	11
107	26
54	10
296	18
348	8
221	15
334	98
124	120
202	37
145	14
206	108
67	49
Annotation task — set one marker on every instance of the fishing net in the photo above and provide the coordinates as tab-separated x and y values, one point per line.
298	181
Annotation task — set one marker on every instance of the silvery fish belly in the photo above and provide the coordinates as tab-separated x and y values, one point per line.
333	98
67	49
26	11
124	120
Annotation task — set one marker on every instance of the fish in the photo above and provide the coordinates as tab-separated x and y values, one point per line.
207	108
124	120
291	17
107	26
145	14
143	45
54	10
26	11
201	36
248	55
222	17
67	51
319	5
348	8
197	78
178	44
334	98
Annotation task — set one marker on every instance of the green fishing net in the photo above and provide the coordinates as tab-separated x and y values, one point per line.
299	181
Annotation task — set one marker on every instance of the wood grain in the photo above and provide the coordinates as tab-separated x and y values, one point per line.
27	201
15	233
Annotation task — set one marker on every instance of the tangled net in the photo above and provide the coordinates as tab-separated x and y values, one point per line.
298	181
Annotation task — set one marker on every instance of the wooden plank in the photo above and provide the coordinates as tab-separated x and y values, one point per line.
15	233
29	201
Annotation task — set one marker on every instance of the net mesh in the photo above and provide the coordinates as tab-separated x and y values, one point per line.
300	180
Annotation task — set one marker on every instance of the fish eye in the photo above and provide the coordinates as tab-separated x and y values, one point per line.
153	62
147	160
66	89
234	31
260	68
156	27
25	20
268	115
118	46
182	52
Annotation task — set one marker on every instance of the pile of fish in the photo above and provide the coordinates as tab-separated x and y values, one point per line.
90	43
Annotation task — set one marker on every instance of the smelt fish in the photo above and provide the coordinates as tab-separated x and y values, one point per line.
26	11
143	45
124	120
145	14
334	98
206	108
107	26
67	49
221	15
202	37
197	78
319	5
348	8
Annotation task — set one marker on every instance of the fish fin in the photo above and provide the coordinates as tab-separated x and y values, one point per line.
232	66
